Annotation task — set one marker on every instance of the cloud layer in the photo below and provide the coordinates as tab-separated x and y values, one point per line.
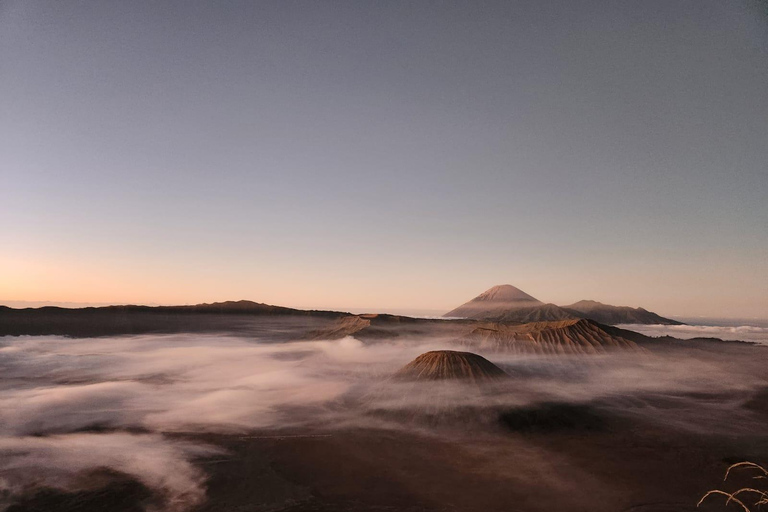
741	333
73	406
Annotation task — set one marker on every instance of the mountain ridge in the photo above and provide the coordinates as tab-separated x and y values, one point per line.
573	336
506	303
612	315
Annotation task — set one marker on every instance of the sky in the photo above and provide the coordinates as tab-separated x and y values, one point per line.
385	155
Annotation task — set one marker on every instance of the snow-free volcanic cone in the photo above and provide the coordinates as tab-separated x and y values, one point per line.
449	364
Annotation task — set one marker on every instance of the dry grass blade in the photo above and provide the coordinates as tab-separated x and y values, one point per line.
730	498
744	464
760	493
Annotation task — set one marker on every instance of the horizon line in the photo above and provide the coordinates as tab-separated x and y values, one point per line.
34	304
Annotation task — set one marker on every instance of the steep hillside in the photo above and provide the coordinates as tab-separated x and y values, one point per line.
543	313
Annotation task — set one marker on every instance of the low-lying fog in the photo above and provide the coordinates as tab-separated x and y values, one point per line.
739	332
69	406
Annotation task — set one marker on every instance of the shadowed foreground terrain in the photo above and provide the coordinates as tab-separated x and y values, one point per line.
247	410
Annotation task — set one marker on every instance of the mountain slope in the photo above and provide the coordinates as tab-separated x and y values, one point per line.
543	313
612	315
561	337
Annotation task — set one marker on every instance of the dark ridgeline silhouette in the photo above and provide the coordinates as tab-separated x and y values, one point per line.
131	319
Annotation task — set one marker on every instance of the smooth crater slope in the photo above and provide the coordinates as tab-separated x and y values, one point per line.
450	364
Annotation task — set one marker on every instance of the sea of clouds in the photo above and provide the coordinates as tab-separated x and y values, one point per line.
70	406
751	333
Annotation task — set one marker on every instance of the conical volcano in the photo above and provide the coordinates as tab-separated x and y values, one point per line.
505	303
506	293
449	364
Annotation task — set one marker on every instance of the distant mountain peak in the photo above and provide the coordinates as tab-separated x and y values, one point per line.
508	303
588	302
505	293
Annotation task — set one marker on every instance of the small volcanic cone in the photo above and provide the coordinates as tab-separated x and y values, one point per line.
449	364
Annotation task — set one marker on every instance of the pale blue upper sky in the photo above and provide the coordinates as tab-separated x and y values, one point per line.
385	154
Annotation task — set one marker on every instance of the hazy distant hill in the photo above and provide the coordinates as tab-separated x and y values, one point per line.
131	319
227	307
612	315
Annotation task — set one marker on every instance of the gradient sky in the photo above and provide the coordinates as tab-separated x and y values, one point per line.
385	154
